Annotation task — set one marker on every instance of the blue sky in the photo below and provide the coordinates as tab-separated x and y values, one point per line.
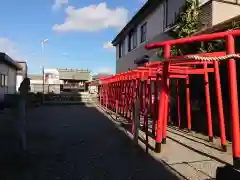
78	32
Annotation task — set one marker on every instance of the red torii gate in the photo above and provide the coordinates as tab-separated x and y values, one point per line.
120	90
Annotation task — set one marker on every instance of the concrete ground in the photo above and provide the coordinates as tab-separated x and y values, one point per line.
74	142
189	155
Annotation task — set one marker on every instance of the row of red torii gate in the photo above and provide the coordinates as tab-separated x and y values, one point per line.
150	85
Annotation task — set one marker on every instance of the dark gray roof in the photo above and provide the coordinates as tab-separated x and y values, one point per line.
147	9
4	58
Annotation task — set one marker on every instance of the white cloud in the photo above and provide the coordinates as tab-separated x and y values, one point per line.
92	18
108	45
58	4
103	70
9	47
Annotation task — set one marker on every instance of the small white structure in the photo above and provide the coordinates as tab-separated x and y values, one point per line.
51	78
51	82
8	73
18	83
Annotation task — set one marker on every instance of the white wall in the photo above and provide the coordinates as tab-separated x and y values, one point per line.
155	32
224	11
53	76
36	82
19	80
218	12
154	28
36	85
155	23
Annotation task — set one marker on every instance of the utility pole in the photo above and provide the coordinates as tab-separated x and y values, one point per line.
43	79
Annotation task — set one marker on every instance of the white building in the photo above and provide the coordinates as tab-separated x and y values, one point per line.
8	73
51	78
153	22
36	83
51	82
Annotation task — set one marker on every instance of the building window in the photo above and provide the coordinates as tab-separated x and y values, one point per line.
3	80
123	47
132	40
144	32
165	14
120	49
6	81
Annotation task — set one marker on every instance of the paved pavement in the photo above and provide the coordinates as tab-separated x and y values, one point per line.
74	142
189	154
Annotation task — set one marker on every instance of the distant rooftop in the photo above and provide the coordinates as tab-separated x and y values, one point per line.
74	74
73	70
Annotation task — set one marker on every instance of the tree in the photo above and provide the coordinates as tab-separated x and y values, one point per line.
188	19
186	25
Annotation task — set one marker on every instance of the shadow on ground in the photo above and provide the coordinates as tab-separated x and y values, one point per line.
74	142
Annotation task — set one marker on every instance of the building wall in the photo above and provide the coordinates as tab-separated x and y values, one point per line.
10	72
51	76
128	60
12	80
173	10
36	86
19	81
212	12
206	15
223	11
3	70
24	70
156	24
